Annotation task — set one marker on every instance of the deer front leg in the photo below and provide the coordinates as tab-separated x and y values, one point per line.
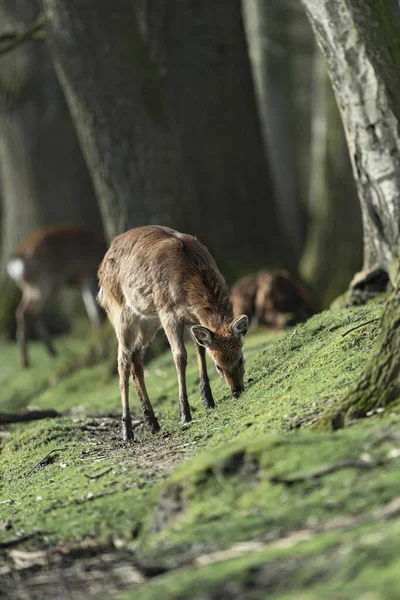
138	380
205	389
124	367
175	338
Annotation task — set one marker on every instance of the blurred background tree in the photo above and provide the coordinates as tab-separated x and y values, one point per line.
217	119
43	177
183	111
360	42
333	250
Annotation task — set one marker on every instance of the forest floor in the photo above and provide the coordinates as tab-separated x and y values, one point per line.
247	501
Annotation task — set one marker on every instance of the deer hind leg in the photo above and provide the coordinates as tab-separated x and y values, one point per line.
42	299
205	389
125	330
175	335
138	380
44	334
145	335
30	310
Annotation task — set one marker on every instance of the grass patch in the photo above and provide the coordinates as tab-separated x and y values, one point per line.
205	488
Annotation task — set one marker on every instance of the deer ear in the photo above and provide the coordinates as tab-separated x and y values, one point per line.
202	335
240	326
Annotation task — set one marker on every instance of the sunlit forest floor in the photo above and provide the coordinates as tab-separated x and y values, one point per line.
248	500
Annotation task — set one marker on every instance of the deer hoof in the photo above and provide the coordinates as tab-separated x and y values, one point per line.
155	426
127	431
186	419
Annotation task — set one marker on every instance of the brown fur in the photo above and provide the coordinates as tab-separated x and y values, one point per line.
154	277
273	298
243	296
53	257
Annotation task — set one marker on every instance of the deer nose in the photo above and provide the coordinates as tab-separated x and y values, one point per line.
236	393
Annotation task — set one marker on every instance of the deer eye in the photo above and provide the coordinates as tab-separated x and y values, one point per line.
241	362
219	370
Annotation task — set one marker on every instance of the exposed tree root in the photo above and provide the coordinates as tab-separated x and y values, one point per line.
28	415
318	473
378	385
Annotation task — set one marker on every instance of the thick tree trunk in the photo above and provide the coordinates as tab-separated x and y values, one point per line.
303	49
168	123
333	250
272	47
115	94
212	101
43	177
378	386
360	42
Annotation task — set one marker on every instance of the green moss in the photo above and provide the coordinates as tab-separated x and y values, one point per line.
225	491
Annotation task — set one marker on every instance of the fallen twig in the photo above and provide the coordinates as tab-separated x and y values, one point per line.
28	415
360	325
15	541
89	498
318	473
98	475
9	41
44	458
175	451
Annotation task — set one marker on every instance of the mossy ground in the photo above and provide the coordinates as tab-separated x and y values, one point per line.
201	506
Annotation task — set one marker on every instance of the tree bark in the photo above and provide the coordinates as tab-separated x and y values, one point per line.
360	42
169	123
333	251
43	177
272	47
378	385
115	94
211	100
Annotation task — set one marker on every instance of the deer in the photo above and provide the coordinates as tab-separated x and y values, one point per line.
154	277
45	261
272	298
281	301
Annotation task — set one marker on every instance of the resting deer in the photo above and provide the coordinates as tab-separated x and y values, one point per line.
45	261
272	298
154	277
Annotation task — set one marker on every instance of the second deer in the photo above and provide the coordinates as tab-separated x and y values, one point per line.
46	260
154	277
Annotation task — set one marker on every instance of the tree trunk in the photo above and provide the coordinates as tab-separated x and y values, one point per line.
360	42
378	386
303	49
272	47
176	141
211	100
115	94
333	250
43	177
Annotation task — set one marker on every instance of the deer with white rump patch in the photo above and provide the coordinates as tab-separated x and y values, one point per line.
46	260
154	277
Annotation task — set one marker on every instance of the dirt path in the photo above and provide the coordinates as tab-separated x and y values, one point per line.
91	567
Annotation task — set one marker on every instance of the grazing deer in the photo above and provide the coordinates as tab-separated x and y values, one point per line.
272	298
154	277
45	261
